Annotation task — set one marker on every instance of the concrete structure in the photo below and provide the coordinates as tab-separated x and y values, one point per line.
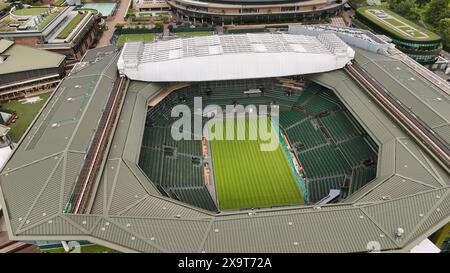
216	57
407	201
25	70
5	145
43	31
243	11
151	6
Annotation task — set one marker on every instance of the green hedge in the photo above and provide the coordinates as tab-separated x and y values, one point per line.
197	29
139	31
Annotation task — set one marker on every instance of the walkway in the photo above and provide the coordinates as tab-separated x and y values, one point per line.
118	18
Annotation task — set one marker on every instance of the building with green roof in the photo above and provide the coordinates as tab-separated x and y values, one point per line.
419	43
26	69
61	29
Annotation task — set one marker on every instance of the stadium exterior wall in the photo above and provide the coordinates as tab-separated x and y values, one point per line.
243	12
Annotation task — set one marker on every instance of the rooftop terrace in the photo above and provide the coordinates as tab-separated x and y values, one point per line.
397	25
33	19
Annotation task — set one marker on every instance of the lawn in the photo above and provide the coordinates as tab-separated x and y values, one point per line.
25	115
146	37
247	177
58	2
46	20
71	25
4	6
84	249
399	22
30	11
196	33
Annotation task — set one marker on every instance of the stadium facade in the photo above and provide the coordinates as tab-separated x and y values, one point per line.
130	204
25	70
246	11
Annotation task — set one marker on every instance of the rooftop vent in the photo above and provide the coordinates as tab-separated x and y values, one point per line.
399	232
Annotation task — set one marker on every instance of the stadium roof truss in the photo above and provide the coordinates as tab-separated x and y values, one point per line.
129	214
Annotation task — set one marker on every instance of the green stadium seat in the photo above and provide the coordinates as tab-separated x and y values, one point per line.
327	162
361	176
357	150
339	126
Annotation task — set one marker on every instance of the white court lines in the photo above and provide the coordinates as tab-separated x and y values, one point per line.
370	12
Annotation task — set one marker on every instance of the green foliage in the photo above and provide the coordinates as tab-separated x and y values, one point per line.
422	3
406	8
435	11
444	30
130	13
164	18
58	2
194	33
4	6
357	3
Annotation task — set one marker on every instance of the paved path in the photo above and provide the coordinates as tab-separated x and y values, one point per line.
118	18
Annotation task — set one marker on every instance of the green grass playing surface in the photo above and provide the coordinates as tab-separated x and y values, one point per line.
247	177
25	115
30	11
146	37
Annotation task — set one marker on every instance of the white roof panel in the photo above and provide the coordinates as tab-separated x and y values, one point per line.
233	57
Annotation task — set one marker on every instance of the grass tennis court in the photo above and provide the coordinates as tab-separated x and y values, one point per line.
146	37
394	23
247	177
26	112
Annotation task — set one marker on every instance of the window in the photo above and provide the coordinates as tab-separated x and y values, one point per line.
287	9
249	10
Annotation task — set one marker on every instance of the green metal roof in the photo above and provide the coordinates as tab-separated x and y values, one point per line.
5	44
23	58
421	97
411	190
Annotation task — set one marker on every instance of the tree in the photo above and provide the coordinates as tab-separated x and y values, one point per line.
435	11
406	8
422	3
444	30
